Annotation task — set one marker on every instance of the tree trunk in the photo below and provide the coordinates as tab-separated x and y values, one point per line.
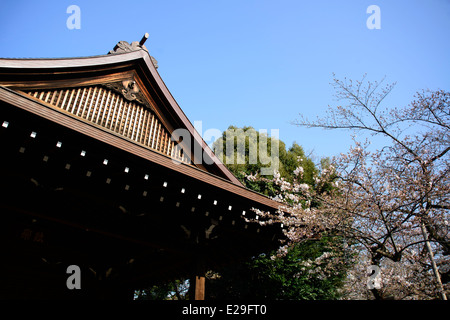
433	263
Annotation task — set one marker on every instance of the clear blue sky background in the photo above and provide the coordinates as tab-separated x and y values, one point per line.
255	63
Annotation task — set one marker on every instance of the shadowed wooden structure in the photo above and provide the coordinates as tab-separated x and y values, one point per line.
92	177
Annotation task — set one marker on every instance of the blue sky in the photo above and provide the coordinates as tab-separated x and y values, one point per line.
255	63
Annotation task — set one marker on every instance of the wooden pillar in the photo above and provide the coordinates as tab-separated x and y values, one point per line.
199	288
197	281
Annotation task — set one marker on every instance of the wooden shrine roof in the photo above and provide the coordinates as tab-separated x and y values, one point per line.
21	76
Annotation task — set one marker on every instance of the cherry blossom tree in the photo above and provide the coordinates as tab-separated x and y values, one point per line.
391	204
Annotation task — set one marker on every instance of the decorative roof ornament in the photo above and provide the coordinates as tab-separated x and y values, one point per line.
130	91
124	46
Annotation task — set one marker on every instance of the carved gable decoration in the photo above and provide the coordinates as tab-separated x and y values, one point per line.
130	91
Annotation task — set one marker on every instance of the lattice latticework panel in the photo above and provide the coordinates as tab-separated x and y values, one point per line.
112	111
